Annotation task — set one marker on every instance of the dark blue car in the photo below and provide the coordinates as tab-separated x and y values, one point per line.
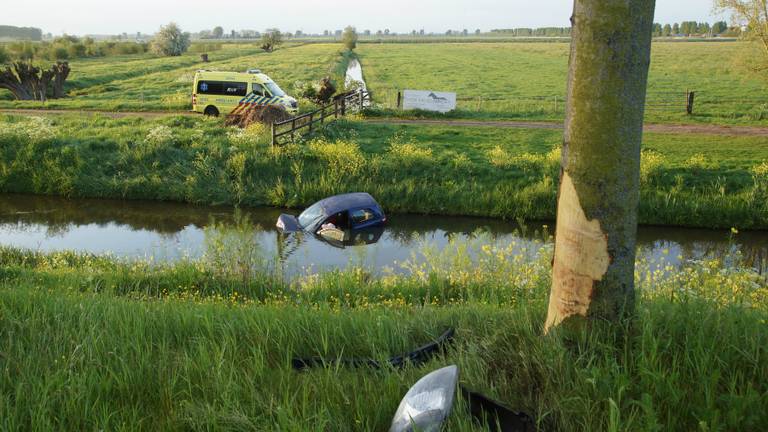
336	217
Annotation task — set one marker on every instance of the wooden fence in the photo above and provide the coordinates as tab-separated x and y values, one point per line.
656	101
304	124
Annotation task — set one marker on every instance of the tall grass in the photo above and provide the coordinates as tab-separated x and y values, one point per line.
432	171
90	342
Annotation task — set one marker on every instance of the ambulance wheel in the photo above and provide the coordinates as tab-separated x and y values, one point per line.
211	111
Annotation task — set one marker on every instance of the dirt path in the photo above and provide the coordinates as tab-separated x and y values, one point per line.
110	114
700	129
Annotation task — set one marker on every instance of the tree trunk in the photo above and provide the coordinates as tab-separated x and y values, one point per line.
60	74
593	267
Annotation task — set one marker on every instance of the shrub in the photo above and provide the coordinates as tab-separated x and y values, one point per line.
59	53
4	56
170	41
271	39
349	38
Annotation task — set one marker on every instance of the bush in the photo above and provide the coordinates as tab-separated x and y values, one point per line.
170	41
59	53
320	92
4	56
271	39
349	38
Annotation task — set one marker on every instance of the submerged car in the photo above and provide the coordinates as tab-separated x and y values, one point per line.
338	218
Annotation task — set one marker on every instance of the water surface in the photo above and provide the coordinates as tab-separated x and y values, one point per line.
170	231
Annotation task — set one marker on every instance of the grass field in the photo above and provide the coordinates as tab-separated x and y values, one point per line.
493	80
147	83
687	180
516	80
89	343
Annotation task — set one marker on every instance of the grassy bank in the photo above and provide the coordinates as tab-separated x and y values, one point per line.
514	81
92	343
688	180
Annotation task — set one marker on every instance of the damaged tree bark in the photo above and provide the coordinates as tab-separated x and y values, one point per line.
593	268
28	82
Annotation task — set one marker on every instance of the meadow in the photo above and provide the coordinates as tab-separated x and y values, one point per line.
687	180
148	83
527	80
494	80
90	342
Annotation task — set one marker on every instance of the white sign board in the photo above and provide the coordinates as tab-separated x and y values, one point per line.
429	100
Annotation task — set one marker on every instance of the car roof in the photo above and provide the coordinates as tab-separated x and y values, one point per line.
233	76
339	203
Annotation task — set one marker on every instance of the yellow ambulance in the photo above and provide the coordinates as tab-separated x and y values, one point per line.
222	93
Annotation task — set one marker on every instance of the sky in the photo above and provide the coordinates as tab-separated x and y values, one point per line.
81	17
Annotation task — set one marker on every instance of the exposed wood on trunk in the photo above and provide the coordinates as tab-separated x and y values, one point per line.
593	269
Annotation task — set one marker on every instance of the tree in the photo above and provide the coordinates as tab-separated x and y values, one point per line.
170	41
271	39
218	32
657	29
719	27
676	29
753	14
28	82
667	31
593	266
349	38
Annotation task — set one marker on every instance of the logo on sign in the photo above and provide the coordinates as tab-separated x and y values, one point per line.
429	100
204	87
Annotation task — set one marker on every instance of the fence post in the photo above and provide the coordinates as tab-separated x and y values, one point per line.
293	129
398	99
690	96
361	100
335	108
311	115
274	138
344	106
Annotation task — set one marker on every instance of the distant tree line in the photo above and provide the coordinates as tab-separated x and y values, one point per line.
693	28
541	31
66	48
20	33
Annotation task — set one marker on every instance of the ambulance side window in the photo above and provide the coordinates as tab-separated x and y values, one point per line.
258	89
224	88
235	88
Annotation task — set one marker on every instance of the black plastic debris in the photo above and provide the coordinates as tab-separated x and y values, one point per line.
498	417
